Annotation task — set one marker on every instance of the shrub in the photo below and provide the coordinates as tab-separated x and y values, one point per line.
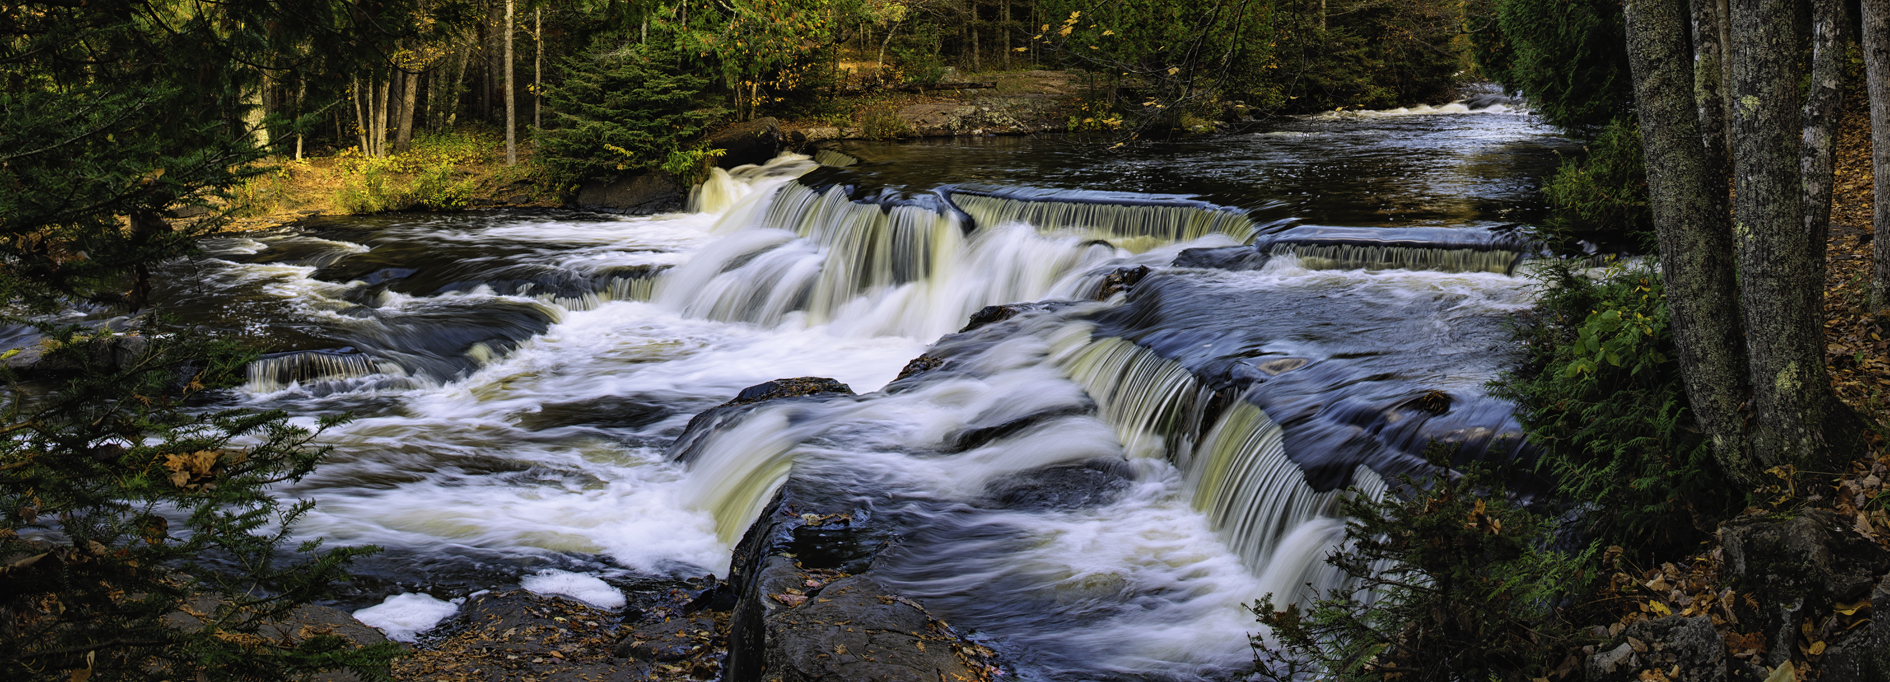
139	539
1599	392
1450	583
1603	196
626	106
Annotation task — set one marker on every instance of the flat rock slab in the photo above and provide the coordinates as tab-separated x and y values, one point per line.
857	629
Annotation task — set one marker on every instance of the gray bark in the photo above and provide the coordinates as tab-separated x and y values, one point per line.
538	68
1778	290
1688	201
1709	85
409	96
360	116
511	95
1876	32
1830	24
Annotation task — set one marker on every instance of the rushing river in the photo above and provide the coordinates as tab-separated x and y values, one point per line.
518	379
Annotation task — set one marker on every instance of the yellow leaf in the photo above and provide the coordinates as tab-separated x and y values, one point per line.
1817	648
1852	609
1172	70
1659	608
1064	32
1784	673
1109	33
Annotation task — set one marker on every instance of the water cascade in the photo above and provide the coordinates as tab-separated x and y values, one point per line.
1096	487
1129	221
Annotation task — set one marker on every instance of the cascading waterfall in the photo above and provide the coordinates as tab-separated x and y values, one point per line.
281	371
1085	481
1133	222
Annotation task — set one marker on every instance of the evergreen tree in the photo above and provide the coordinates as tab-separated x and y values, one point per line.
627	106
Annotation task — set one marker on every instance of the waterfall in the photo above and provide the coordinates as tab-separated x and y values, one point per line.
1438	249
1133	222
1154	403
282	370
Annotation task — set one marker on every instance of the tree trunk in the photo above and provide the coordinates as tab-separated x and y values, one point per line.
1688	201
1709	85
1778	289
538	68
381	114
360	116
1876	32
511	98
457	87
1830	25
255	109
409	96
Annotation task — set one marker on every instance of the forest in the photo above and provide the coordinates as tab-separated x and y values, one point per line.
1705	354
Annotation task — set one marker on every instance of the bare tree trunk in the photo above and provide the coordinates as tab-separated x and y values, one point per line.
301	95
256	109
1876	32
458	86
360	116
380	115
511	95
408	99
1830	24
1688	201
538	68
1781	299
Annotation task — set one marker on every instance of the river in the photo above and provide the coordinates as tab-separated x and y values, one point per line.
518	379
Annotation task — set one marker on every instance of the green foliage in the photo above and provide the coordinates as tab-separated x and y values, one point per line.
394	183
1603	196
1370	55
1568	57
883	124
626	107
141	542
1450	583
1155	60
1599	392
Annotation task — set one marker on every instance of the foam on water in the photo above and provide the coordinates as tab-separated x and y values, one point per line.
402	617
585	588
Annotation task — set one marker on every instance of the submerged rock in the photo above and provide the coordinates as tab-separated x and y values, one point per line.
1120	281
714	418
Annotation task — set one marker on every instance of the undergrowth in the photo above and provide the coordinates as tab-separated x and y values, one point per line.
1602	197
1599	391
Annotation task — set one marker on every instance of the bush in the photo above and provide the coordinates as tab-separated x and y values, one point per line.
1450	583
1599	392
139	540
1603	196
626	106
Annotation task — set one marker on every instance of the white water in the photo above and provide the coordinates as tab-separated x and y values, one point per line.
552	444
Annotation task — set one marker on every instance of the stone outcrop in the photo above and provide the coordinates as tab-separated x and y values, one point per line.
638	194
748	142
1689	647
1798	567
810	609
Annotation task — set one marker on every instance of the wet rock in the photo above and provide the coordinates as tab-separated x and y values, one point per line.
1863	655
859	629
669	640
109	352
980	436
993	314
609	411
714	418
1223	258
1091	484
1120	281
640	194
749	142
1689	644
919	365
517	635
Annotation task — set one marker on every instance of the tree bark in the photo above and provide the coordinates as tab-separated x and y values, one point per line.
1709	85
380	114
1778	289
1688	201
1876	14
511	95
360	116
409	96
1830	25
538	68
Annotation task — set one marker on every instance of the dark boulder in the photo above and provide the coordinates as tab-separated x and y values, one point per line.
710	420
859	629
749	142
640	194
1120	281
1222	258
1798	566
1863	654
918	366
